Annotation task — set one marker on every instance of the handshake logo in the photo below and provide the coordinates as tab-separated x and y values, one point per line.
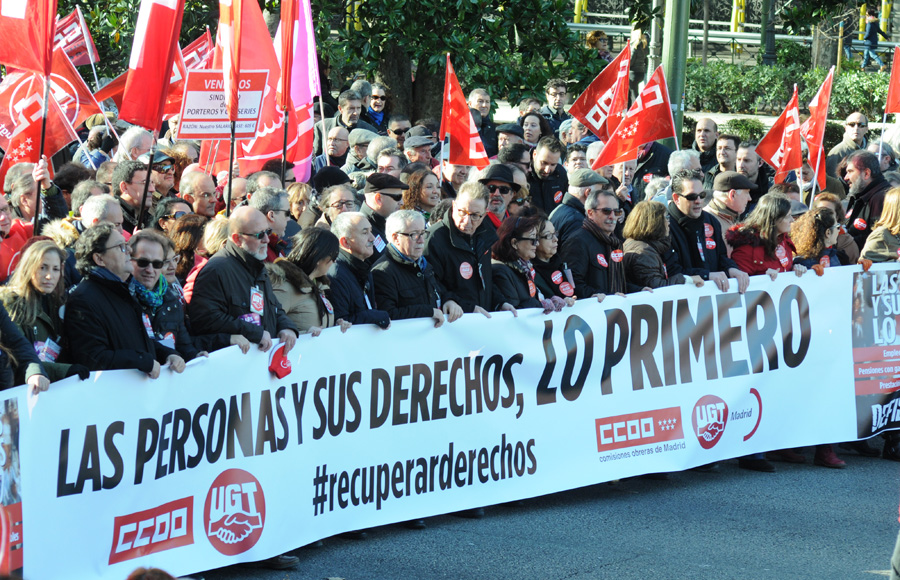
235	512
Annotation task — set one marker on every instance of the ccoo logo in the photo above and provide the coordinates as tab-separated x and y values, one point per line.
235	512
709	418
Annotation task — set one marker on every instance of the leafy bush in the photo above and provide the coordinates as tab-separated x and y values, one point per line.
789	53
688	126
746	129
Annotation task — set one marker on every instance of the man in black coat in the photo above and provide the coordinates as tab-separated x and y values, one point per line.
348	116
458	248
569	215
480	100
352	289
547	179
653	160
104	326
593	252
384	194
405	285
697	246
705	136
233	295
867	189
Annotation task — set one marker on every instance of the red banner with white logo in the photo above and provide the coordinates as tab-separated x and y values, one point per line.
464	146
27	28
780	147
813	129
73	36
601	106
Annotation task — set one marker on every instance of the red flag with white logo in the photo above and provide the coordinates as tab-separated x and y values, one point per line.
601	106
780	147
465	146
648	119
813	129
257	53
22	143
198	54
27	28
176	87
73	36
150	67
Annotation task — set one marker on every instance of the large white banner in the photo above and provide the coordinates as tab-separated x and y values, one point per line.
227	463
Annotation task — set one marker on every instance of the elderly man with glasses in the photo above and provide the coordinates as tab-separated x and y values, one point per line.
855	128
199	191
233	295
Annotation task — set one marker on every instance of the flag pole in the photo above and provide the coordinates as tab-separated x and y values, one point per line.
881	139
284	147
209	157
143	212
87	45
37	203
324	135
230	163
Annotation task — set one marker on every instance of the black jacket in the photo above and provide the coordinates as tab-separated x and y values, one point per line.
403	289
168	325
321	129
462	264
551	279
655	162
352	292
548	193
593	265
865	209
27	362
222	294
554	119
512	286
130	217
378	226
488	133
707	158
104	330
567	217
684	256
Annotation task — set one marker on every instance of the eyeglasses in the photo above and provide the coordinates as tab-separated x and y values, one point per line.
349	204
259	235
144	262
176	215
695	196
553	236
379	98
611	211
394	196
163	168
534	241
503	189
857	124
521	200
415	235
123	247
399	131
286	212
556	93
473	216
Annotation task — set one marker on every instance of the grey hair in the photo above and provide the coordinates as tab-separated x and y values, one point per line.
593	199
379	144
268	199
363	87
475	191
18	181
400	219
129	140
344	222
97	208
682	160
594	149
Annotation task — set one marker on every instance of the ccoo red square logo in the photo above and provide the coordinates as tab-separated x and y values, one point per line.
158	529
641	428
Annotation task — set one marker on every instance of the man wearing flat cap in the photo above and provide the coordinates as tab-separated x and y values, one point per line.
384	194
569	215
357	154
418	149
498	179
162	173
509	134
731	194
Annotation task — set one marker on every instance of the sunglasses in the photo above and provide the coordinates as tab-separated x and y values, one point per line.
177	215
144	262
163	168
695	196
501	188
611	211
378	98
259	235
400	131
394	196
521	200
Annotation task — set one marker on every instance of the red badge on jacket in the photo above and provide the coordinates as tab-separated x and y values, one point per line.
859	224
616	255
601	259
708	230
465	270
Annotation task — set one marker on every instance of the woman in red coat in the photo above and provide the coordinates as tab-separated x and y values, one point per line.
762	243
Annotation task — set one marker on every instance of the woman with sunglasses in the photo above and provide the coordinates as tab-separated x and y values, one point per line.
33	298
762	243
161	306
424	192
512	268
167	211
379	111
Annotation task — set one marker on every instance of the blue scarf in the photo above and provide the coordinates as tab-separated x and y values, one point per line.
377	117
421	262
104	274
151	299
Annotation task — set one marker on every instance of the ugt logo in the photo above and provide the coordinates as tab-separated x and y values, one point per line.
235	512
709	418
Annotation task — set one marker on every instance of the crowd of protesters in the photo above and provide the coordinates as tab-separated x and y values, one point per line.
387	228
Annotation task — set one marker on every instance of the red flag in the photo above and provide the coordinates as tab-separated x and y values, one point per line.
893	96
176	87
465	146
114	90
198	54
780	148
73	36
257	53
229	38
23	144
27	28
813	129
289	15
648	119
601	106
150	67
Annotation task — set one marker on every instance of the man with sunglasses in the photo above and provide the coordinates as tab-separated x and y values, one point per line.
384	194
162	173
594	252
502	188
697	246
274	204
398	125
855	128
232	293
568	216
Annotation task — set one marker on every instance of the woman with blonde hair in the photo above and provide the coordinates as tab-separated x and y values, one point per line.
883	244
33	298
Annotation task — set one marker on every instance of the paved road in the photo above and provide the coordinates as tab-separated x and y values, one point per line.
801	522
